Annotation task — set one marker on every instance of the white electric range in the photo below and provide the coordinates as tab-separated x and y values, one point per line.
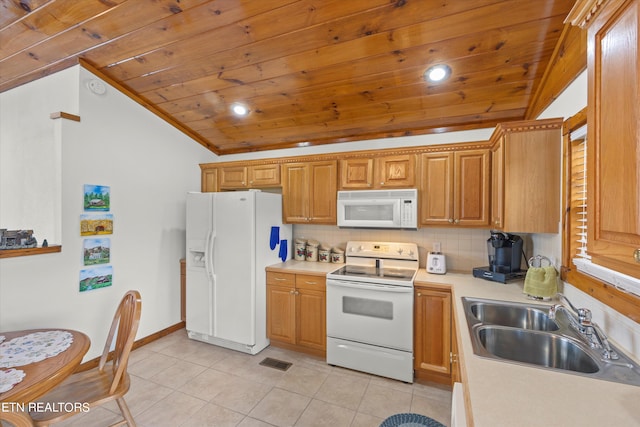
370	309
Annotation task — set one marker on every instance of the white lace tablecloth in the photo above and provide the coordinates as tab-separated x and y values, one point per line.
33	348
9	378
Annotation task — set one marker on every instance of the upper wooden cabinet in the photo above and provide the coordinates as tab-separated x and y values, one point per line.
209	180
613	132
455	188
397	171
253	176
232	177
356	174
497	186
525	177
309	192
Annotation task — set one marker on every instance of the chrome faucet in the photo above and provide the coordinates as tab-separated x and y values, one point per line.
580	319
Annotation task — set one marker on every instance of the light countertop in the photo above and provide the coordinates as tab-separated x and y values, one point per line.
305	267
506	394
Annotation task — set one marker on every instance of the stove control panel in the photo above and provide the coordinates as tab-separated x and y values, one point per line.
406	251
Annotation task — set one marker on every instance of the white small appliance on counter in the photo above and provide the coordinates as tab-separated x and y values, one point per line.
436	261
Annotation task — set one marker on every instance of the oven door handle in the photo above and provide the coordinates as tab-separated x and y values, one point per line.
370	287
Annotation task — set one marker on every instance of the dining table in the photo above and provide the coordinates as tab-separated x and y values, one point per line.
40	376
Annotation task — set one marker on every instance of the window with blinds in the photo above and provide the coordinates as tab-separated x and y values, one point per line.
578	196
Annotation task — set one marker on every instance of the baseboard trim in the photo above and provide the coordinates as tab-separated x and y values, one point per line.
93	363
300	349
423	377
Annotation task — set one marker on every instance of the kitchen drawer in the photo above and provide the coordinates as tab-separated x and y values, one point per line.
281	279
305	281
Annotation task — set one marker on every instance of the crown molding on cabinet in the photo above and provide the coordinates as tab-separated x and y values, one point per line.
583	12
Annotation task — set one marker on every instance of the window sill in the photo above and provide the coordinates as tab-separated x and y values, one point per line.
12	253
623	302
619	280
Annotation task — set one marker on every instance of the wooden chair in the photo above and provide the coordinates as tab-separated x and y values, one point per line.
107	382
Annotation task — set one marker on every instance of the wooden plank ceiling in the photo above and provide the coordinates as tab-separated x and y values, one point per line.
310	71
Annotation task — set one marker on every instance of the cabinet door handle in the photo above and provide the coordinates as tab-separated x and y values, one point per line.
636	255
457	221
450	220
280	279
292	292
310	283
419	294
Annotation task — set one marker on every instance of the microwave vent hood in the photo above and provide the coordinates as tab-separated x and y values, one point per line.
397	208
377	194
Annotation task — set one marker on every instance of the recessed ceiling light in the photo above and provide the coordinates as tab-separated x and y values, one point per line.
437	73
239	109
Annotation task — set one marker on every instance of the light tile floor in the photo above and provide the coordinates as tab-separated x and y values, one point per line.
178	382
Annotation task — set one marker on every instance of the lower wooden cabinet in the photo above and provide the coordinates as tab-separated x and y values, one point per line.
456	376
296	320
433	355
296	312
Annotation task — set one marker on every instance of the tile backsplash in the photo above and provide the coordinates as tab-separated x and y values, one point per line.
464	248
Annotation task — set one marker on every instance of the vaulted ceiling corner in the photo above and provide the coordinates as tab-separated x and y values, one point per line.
308	71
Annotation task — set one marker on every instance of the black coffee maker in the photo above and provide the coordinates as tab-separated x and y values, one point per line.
505	257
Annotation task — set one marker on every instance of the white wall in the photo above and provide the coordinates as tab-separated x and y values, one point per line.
149	166
29	172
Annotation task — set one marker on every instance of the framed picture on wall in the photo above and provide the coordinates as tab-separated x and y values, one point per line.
97	198
96	278
94	224
96	251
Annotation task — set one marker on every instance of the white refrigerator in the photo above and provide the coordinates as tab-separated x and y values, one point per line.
231	238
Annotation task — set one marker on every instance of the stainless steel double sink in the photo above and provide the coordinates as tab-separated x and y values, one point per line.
525	334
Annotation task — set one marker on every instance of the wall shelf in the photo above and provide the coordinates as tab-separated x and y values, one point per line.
11	253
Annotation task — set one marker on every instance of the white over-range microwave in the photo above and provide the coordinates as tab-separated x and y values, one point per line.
378	208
